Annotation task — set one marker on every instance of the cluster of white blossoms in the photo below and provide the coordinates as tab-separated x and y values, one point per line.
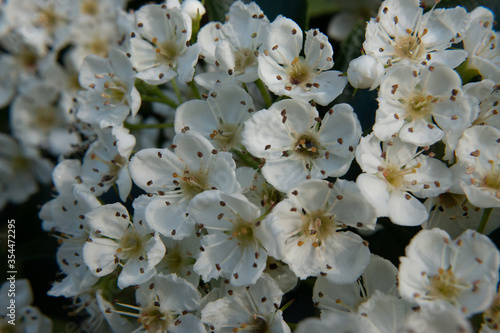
198	166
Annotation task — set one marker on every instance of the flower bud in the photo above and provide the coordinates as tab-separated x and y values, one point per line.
365	72
192	8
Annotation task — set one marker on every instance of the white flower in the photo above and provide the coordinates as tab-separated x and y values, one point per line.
113	319
380	274
38	119
296	148
161	50
235	244
194	8
95	37
286	73
423	106
343	323
117	241
481	42
44	24
174	178
106	162
393	170
402	33
488	96
19	64
478	155
98	9
454	214
20	316
162	304
281	273
64	218
219	118
450	320
310	230
384	313
233	47
492	316
365	72
252	308
63	75
257	190
21	168
438	273
180	257
110	93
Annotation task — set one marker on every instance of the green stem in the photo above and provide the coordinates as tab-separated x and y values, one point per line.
195	90
154	99
484	220
195	28
138	127
264	92
244	86
177	91
151	93
281	98
247	159
466	72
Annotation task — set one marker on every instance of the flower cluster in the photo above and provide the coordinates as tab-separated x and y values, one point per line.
205	170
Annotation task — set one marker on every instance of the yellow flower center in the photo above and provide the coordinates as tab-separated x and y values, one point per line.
445	285
299	72
419	106
194	183
244	58
409	47
167	53
114	92
307	146
89	7
131	245
395	176
154	320
227	136
244	233
492	178
317	226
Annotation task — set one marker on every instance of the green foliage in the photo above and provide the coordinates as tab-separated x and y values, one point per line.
217	9
319	8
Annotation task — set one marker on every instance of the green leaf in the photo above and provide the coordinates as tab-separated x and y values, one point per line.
217	9
323	8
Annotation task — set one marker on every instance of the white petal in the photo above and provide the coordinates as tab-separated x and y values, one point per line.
348	256
405	209
318	50
287	35
153	169
176	294
256	135
169	218
376	192
284	173
111	220
99	255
